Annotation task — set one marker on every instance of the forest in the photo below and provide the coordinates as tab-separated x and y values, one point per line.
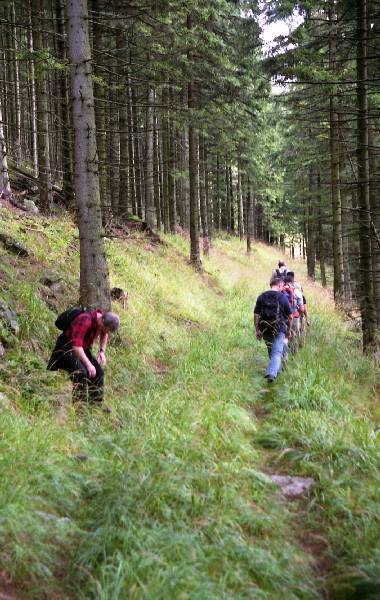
157	159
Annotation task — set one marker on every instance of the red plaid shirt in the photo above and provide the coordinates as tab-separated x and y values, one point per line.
84	329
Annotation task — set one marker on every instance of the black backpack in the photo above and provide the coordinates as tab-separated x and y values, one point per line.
64	320
270	310
281	275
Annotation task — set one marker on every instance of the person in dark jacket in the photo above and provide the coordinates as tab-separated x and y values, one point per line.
73	353
271	317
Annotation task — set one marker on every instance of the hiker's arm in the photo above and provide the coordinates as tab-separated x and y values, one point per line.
80	354
289	331
306	315
101	356
256	318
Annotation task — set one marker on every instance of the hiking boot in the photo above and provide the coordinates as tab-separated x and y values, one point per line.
269	378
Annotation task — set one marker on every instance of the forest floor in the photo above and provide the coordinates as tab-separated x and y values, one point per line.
171	496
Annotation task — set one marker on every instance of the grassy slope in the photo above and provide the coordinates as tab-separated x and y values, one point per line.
172	500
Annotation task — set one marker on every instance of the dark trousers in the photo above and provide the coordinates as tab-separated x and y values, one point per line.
84	388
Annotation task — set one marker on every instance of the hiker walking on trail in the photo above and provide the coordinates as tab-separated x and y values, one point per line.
281	271
297	303
271	316
72	351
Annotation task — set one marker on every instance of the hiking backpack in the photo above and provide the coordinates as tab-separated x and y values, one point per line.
289	292
282	275
64	320
270	309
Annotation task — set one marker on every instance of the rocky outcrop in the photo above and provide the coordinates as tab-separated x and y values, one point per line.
24	204
9	318
12	245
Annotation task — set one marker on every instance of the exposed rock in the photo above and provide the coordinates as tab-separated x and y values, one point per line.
49	297
2	350
4	402
9	318
50	278
293	486
50	517
120	295
24	204
30	206
14	246
57	288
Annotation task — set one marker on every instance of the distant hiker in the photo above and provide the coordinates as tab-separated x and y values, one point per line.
294	288
271	316
297	301
72	351
281	271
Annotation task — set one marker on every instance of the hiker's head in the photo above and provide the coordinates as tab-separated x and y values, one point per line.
281	263
289	277
276	282
110	322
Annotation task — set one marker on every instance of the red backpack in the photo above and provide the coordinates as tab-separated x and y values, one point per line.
289	291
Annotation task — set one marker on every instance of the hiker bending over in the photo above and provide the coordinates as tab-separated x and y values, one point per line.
72	353
271	316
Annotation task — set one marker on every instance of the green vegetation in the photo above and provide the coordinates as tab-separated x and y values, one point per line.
169	496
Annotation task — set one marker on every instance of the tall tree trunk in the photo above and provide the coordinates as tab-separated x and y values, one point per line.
231	193
345	219
367	305
374	190
137	150
187	183
202	197
100	106
240	201
67	143
208	197
149	192
249	218
156	172
17	99
124	198
132	180
334	165
5	186
94	282
114	144
336	204
171	166
33	97
165	157
218	216
310	230
228	198
321	241
195	258
43	138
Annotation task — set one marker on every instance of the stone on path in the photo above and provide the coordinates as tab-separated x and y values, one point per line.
291	486
4	402
50	278
9	318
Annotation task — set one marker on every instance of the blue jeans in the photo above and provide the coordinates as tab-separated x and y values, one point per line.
278	351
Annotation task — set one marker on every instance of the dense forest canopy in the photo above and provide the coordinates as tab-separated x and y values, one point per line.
161	116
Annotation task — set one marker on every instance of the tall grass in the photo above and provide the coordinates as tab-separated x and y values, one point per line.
168	497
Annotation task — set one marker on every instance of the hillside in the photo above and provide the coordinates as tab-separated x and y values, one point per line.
170	496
